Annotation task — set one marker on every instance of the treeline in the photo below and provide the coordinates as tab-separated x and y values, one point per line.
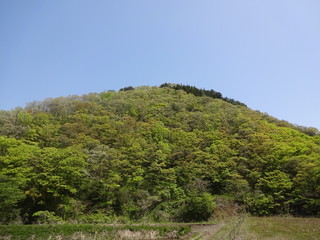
150	153
201	92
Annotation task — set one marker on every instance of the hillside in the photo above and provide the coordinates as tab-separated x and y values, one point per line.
161	154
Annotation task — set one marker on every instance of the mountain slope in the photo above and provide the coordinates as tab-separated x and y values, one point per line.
150	152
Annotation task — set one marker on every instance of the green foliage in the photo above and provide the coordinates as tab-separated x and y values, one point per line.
201	92
10	196
197	207
127	88
46	217
95	218
152	153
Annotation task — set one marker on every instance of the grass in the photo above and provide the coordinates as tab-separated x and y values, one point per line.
88	231
253	228
229	223
280	228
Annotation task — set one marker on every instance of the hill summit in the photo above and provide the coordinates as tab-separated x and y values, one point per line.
168	153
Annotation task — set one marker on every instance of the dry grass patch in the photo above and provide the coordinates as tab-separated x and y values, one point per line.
91	232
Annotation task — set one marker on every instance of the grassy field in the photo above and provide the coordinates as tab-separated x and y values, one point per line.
89	232
253	228
280	228
225	227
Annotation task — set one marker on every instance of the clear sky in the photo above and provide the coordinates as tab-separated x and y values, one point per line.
263	53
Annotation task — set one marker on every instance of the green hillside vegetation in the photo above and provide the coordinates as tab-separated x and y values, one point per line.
161	154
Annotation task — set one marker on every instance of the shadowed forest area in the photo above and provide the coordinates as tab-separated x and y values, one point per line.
169	153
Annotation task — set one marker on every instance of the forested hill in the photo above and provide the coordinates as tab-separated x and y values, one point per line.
161	154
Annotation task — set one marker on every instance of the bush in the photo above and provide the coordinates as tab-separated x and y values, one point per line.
197	208
46	217
98	217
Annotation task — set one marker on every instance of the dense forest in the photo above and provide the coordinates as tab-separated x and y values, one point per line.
164	153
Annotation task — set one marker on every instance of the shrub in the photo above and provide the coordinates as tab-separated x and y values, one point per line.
98	217
197	208
46	217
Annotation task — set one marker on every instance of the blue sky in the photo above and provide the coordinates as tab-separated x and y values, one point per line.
263	53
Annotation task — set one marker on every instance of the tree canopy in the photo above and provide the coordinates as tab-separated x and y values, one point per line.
162	153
